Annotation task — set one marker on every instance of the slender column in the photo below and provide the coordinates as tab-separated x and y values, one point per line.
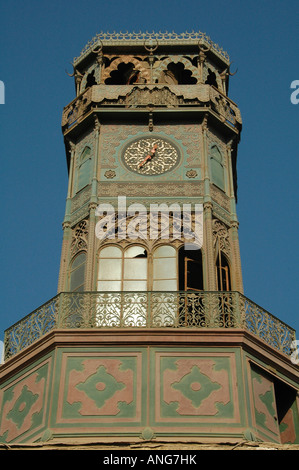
78	80
206	176
91	246
231	192
151	59
210	273
94	181
70	183
200	62
91	250
64	260
67	231
234	241
101	64
233	231
210	283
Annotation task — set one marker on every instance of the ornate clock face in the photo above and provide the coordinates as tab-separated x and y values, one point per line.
151	156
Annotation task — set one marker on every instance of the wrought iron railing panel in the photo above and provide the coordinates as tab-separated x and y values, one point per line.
77	310
32	327
267	327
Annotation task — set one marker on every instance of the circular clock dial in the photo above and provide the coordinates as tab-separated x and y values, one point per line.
151	156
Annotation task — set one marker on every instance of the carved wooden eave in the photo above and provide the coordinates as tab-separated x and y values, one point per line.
115	92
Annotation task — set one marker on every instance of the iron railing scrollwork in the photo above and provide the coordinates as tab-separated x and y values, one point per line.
32	327
190	309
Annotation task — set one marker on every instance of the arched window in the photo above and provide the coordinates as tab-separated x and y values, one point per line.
223	273
190	270
84	168
165	269
135	269
217	168
110	269
122	270
77	273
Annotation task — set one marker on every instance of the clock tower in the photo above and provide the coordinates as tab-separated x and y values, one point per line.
150	336
151	124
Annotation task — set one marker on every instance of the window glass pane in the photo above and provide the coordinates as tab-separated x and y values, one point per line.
217	167
78	260
135	285
77	278
109	286
165	268
84	174
165	285
135	268
217	173
110	269
164	251
84	168
135	251
85	154
110	252
216	154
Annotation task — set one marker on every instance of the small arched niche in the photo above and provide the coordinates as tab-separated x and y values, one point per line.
177	74
125	74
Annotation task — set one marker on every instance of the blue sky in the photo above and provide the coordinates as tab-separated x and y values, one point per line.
39	40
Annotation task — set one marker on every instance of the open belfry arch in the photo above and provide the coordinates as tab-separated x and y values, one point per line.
150	335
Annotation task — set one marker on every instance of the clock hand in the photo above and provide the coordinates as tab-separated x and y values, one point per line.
149	156
144	161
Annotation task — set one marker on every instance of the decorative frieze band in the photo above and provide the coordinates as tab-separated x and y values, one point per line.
115	189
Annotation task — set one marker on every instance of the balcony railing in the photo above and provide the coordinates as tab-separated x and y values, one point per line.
103	310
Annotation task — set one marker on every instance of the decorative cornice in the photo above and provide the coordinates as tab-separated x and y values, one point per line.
151	39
